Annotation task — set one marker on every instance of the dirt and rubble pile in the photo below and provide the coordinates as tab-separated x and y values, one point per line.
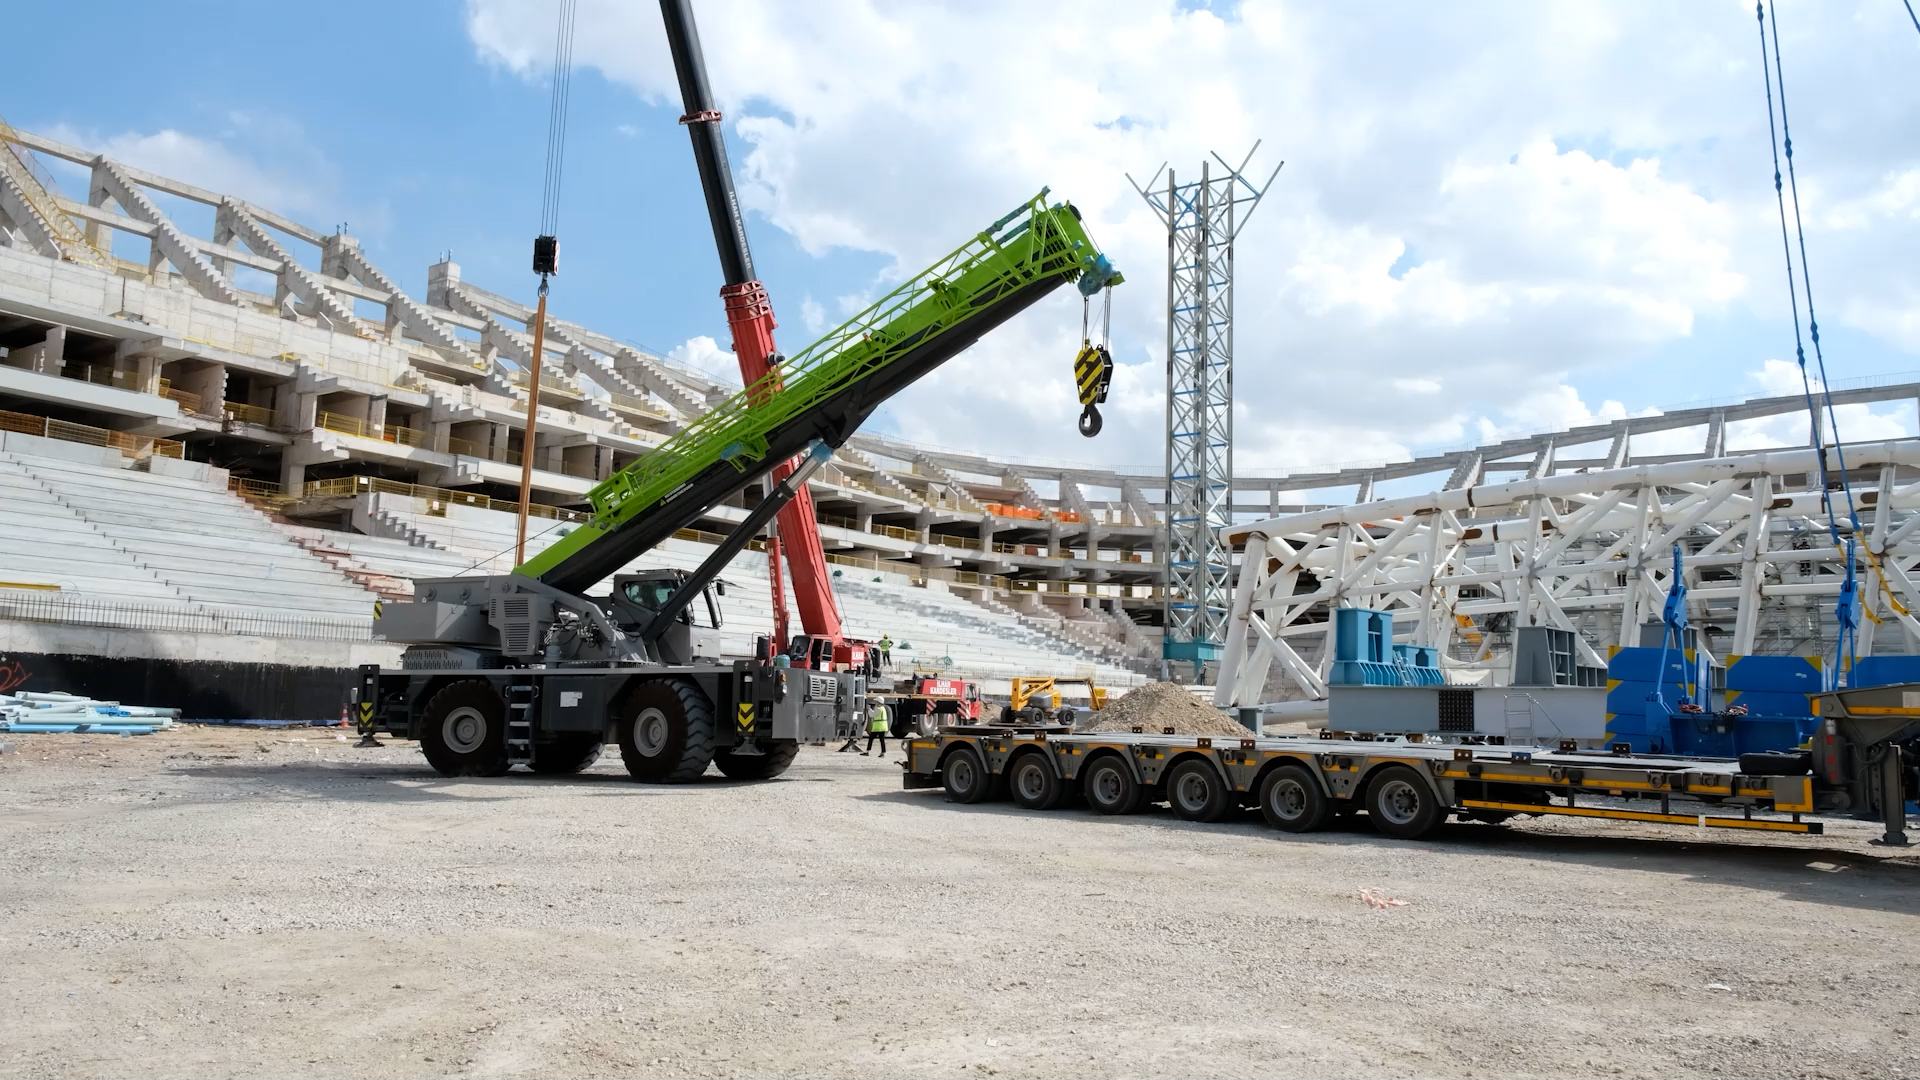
1161	705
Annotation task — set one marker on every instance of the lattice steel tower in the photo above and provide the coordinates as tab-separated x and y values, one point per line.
1202	218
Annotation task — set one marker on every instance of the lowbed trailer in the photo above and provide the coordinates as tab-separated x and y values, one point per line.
1406	788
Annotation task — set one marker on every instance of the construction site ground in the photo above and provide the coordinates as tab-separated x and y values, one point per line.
241	903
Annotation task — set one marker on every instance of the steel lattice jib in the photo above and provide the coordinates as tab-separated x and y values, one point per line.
1034	243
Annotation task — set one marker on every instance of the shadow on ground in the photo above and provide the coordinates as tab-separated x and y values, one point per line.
1883	883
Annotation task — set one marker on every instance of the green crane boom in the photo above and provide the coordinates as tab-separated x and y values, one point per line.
827	389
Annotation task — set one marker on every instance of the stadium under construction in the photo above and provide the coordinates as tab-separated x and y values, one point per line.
227	453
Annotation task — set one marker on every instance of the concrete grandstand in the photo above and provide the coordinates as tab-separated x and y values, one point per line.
253	431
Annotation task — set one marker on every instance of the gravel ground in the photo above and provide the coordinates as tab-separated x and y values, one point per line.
233	903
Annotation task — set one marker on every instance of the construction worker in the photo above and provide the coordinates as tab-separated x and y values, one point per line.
876	728
886	651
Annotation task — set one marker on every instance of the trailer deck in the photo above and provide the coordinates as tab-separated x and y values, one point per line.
1299	783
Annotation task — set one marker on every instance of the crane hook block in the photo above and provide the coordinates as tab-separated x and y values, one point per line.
546	255
1092	371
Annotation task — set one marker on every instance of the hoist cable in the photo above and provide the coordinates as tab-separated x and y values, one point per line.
1847	609
557	119
1911	15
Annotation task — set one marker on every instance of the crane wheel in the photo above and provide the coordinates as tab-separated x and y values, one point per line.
666	732
464	730
769	763
1291	800
570	754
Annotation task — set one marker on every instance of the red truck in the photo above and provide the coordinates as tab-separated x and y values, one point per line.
929	702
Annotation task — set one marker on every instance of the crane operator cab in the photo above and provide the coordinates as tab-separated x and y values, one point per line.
694	634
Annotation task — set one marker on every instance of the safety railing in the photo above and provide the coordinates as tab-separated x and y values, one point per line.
243	413
136	447
187	400
40	189
548	381
635	405
72	609
347	486
353	425
965	543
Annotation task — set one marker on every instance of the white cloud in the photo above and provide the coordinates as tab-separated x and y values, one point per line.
703	354
812	316
280	171
1580	183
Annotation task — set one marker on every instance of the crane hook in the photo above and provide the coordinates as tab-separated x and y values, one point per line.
1092	371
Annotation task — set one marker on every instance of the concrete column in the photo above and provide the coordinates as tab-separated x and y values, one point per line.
45	357
206	381
376	418
442	278
292	477
296	410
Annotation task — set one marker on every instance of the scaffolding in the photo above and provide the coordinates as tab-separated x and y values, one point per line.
1202	217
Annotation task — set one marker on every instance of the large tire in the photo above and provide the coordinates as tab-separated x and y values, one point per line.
1033	784
928	723
464	730
1109	786
769	763
666	732
1197	791
1291	800
570	754
1402	804
965	776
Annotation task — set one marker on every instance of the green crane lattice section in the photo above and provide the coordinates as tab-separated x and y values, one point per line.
1032	244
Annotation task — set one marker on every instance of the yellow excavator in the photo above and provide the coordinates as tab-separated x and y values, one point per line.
1036	700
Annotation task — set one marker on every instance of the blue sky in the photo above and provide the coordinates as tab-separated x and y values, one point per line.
382	116
1497	218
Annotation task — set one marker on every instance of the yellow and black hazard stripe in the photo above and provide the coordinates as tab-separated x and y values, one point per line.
745	717
1092	371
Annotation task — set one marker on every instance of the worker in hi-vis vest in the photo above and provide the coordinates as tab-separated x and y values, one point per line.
876	728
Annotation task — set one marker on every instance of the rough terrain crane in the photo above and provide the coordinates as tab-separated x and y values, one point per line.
526	668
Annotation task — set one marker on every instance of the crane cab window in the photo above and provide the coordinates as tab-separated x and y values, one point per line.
652	594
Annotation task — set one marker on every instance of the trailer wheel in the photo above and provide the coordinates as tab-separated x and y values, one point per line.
1291	800
1033	784
1401	804
666	734
1197	791
769	763
569	755
465	730
965	776
1110	787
